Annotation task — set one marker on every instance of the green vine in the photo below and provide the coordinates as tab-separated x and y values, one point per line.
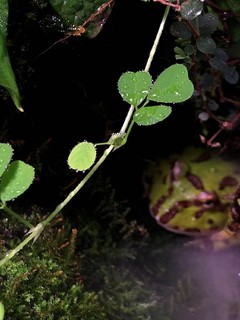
172	86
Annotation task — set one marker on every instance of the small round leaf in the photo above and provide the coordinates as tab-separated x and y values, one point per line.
217	63
147	116
230	74
191	9
180	30
134	86
205	44
180	54
221	54
189	49
172	85
82	156
16	180
208	23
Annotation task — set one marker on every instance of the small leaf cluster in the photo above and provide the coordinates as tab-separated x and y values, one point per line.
171	86
197	40
15	176
136	88
207	41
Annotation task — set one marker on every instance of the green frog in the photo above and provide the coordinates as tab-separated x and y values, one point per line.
192	193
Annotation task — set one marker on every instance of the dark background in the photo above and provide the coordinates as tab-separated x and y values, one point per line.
69	94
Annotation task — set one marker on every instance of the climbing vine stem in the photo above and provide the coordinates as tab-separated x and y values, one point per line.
116	141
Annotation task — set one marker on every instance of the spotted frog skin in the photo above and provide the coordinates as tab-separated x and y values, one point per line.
192	193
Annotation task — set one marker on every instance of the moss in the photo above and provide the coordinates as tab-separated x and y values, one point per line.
95	263
43	282
73	270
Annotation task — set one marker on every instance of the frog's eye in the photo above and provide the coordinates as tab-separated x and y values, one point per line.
209	204
207	199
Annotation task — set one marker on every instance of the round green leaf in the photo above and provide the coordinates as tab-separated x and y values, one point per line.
205	44
82	156
147	116
134	86
15	180
172	85
6	153
230	74
191	9
217	63
208	23
221	54
180	54
189	49
180	30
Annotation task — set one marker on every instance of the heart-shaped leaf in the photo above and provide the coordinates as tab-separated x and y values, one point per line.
172	85
134	86
82	156
147	116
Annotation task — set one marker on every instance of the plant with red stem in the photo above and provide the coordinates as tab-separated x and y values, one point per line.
177	6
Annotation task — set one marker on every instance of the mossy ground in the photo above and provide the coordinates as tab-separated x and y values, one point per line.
79	268
95	263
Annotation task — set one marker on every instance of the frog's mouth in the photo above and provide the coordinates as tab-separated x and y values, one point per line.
205	201
194	217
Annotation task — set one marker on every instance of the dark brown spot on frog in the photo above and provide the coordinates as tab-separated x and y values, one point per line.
204	156
169	215
157	205
210	221
195	181
155	208
198	214
228	181
175	209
